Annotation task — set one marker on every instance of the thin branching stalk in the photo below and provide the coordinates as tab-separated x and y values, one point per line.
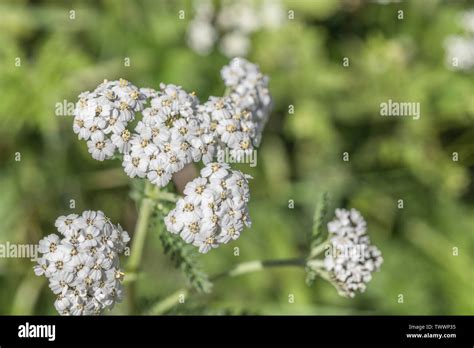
242	268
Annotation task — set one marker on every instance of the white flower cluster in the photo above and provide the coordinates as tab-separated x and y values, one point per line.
214	208
467	21
101	117
169	136
352	259
83	267
175	129
236	121
460	49
232	24
459	53
250	95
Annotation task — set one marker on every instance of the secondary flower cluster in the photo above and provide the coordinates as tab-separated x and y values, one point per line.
460	48
214	208
236	121
250	95
352	258
231	24
83	267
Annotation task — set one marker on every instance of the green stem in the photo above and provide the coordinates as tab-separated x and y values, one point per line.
169	302
253	266
164	196
241	268
139	237
146	209
315	251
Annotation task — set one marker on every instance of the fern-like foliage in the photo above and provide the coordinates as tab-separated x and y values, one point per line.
184	257
318	219
317	235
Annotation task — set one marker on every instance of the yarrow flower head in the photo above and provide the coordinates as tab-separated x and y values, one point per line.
168	137
250	100
214	208
83	266
175	128
101	117
236	121
352	258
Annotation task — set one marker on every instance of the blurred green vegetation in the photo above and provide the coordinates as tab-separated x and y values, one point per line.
336	110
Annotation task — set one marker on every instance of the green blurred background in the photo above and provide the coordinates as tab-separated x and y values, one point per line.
336	110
